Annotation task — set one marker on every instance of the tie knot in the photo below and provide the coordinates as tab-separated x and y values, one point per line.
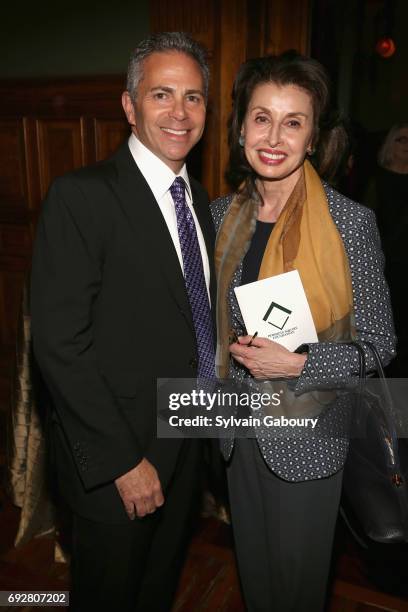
177	189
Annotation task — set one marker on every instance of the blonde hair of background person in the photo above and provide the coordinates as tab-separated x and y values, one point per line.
388	154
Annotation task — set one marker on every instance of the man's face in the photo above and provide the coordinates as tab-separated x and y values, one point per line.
168	114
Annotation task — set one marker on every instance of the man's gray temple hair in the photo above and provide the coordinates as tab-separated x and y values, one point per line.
161	43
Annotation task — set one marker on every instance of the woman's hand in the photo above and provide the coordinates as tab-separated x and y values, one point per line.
267	359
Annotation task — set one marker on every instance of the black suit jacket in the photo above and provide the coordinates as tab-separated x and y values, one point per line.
110	315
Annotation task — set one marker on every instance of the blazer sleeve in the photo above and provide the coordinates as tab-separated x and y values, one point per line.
66	280
331	365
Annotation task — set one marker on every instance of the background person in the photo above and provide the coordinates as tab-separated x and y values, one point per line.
285	487
391	188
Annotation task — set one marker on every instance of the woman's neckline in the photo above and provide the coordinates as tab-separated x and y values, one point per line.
265	222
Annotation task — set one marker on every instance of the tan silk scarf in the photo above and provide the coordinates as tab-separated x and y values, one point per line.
305	238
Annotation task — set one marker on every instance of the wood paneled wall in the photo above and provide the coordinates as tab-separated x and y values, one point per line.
232	31
48	127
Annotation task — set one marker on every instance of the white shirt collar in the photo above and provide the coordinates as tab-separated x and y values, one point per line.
158	175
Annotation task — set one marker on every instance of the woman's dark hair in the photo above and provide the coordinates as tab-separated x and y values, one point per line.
329	136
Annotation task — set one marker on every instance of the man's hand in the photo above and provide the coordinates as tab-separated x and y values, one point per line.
140	490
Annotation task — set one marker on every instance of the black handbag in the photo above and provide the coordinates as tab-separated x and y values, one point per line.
376	469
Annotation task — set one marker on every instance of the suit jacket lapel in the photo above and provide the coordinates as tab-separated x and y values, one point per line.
145	217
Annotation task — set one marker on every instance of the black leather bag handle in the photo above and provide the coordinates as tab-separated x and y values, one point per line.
387	418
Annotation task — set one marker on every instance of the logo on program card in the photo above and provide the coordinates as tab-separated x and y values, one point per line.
277	315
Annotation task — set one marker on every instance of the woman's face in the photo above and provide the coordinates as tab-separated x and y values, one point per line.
400	146
278	129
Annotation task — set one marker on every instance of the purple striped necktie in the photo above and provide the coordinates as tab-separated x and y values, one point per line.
194	280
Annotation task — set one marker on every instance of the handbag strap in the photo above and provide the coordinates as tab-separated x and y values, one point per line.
362	372
380	371
387	424
359	345
377	358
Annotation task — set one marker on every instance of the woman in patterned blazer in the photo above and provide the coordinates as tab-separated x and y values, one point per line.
285	485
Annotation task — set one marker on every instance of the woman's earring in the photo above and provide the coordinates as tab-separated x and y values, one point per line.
310	151
241	140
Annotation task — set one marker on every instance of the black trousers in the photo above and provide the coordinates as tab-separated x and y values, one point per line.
283	533
135	566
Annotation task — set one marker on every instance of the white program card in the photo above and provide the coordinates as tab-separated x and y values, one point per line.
277	308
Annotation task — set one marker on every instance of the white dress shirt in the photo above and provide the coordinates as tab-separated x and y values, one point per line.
160	178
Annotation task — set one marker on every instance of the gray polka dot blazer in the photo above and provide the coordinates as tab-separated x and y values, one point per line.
288	451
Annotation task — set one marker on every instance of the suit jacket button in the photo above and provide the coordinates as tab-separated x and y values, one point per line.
193	363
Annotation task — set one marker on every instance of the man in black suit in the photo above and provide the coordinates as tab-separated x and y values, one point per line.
112	311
